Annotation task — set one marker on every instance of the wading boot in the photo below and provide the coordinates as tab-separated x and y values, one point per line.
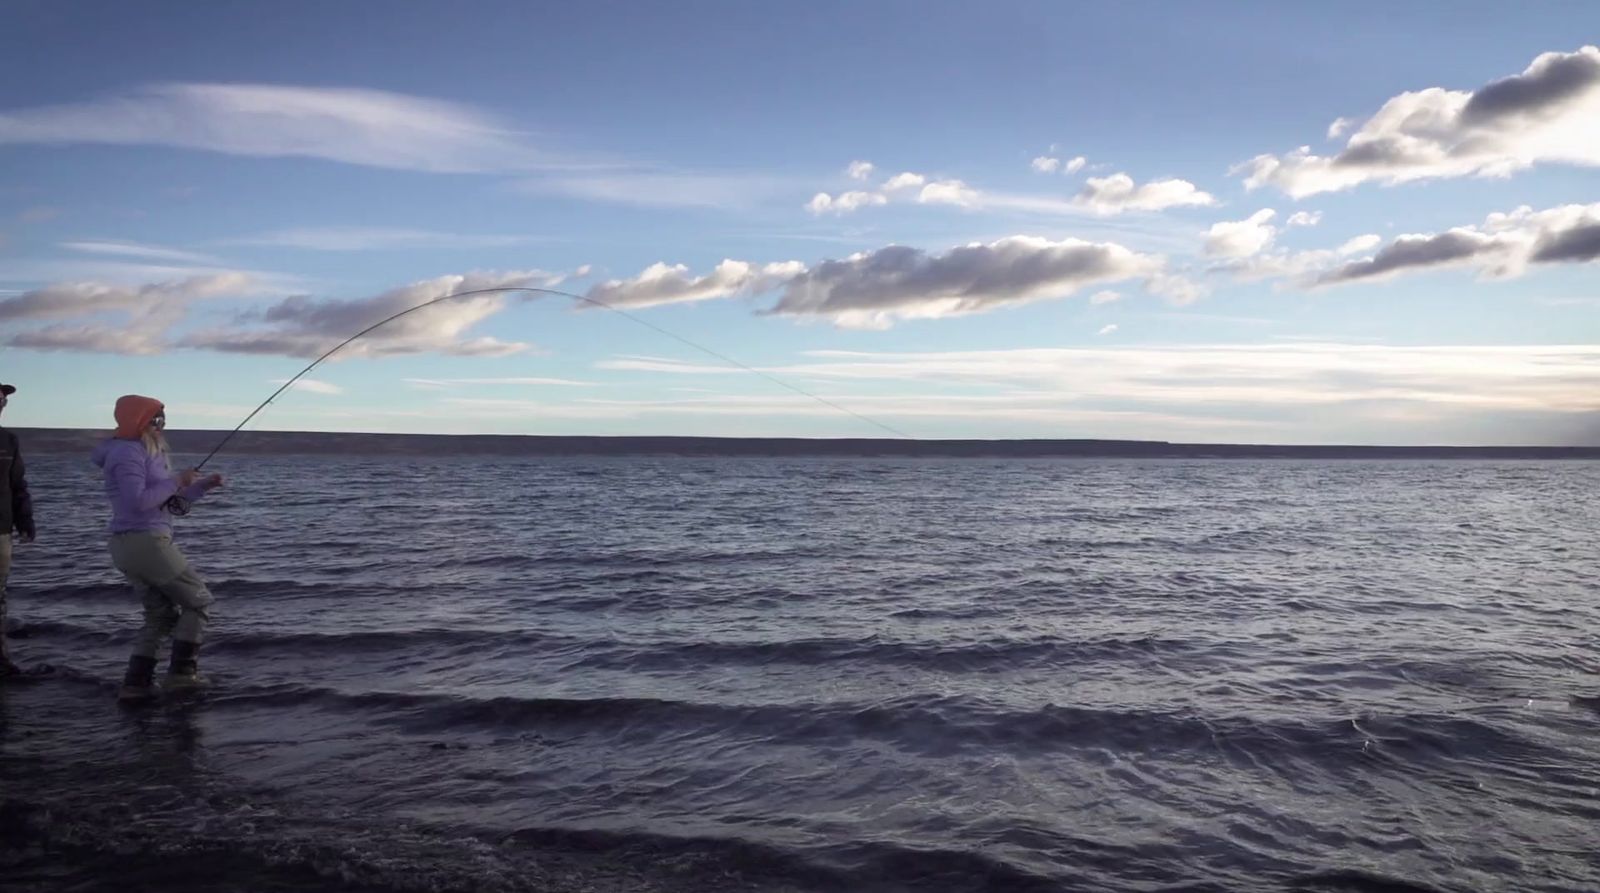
139	684
184	671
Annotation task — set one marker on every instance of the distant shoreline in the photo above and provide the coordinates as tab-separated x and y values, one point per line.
39	441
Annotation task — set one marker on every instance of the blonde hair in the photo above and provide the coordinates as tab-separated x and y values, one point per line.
155	443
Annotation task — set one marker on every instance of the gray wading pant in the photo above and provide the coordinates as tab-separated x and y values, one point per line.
176	600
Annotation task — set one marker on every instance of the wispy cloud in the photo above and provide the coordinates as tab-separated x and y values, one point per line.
312	386
1178	289
667	189
1548	114
141	251
145	314
438	384
1552	378
131	273
349	125
91	339
1104	196
1295	268
306	327
149	315
72	299
1029	409
367	238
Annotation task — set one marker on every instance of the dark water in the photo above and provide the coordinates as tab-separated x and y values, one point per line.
789	675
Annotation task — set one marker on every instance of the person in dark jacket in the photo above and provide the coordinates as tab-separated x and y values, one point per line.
16	515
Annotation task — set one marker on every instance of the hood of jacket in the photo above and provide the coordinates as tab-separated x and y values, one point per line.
134	413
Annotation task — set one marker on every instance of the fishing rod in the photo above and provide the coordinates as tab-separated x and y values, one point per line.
545	291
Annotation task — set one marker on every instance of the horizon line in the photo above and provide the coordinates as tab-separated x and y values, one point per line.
900	442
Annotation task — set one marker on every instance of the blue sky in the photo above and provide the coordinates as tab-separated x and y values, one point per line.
1025	220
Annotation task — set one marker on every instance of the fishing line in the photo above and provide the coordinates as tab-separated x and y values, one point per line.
546	291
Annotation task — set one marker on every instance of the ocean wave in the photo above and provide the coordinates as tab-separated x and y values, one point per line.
945	726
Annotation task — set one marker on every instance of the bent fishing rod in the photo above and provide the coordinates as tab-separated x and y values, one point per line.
544	291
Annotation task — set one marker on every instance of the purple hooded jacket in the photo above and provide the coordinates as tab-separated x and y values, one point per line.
139	484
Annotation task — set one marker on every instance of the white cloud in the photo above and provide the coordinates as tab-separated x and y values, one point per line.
437	384
1457	247
1118	193
1339	127
859	170
1107	330
904	180
145	313
663	284
949	192
71	299
1029	409
354	126
872	290
1548	114
845	203
1361	244
633	363
1105	297
658	189
306	327
1503	247
919	188
1241	238
137	250
1305	218
312	386
1046	164
1295	265
1329	383
1178	290
131	274
938	192
374	238
91	339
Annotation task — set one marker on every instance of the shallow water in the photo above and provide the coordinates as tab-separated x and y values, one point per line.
843	674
